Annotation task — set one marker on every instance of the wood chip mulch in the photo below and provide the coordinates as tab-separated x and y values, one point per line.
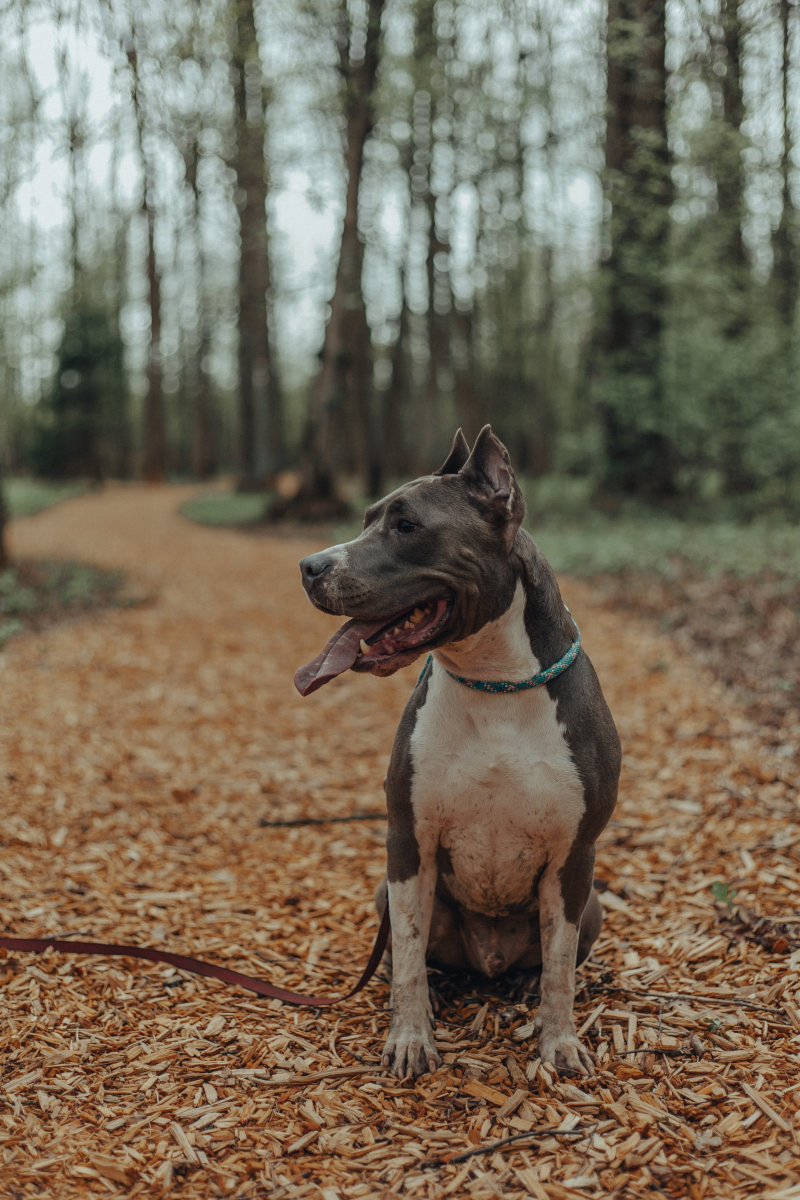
144	753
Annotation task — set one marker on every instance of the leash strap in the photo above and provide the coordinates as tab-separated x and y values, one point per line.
197	967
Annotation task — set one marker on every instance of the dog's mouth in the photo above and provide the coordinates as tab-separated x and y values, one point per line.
381	647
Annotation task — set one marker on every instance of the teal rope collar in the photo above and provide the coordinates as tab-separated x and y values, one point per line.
502	686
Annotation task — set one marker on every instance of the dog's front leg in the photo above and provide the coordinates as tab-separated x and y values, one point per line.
555	1021
410	1048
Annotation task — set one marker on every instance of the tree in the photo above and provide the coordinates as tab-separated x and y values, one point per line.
204	453
786	239
82	423
734	410
633	408
3	520
154	432
69	443
431	125
345	373
84	418
261	450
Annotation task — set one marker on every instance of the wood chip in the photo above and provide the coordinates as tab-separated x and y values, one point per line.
180	1137
512	1104
766	1107
474	1087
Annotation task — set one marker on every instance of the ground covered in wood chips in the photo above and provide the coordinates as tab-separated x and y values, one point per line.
145	756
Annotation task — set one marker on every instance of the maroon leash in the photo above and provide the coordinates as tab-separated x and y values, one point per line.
197	967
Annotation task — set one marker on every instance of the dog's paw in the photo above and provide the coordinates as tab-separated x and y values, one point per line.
410	1050
562	1049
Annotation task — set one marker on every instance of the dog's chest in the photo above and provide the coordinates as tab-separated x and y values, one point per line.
496	789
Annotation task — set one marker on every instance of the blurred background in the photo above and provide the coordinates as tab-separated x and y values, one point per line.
313	236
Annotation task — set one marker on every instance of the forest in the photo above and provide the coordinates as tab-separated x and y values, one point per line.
260	258
316	235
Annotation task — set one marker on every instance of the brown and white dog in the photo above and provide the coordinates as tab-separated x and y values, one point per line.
496	792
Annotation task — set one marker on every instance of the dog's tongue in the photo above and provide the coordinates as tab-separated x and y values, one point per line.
338	656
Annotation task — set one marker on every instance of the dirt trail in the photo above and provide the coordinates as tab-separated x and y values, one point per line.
139	752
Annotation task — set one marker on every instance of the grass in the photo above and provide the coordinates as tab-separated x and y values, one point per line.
578	538
34	593
601	544
227	509
25	497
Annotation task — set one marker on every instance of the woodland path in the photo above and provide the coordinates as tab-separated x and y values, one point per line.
140	750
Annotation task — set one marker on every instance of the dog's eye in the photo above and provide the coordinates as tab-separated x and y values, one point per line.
406	526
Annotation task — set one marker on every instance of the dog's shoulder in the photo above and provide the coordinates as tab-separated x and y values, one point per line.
402	846
581	708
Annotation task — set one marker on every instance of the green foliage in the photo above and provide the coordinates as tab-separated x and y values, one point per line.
227	508
696	375
26	496
9	629
15	596
579	540
723	893
37	592
82	429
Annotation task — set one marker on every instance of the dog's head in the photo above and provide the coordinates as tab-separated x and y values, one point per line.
432	565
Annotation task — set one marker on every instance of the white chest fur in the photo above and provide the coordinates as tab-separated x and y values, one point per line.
494	783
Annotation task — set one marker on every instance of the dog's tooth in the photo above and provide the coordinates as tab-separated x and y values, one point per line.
416	616
364	647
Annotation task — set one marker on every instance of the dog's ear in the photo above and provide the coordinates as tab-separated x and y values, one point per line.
488	471
459	453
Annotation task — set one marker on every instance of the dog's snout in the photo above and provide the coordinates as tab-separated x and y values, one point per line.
314	566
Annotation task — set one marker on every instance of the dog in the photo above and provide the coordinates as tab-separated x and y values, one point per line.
505	765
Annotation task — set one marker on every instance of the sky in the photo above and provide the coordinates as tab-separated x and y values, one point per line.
303	230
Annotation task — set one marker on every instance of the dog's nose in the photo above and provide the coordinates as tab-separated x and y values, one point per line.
315	565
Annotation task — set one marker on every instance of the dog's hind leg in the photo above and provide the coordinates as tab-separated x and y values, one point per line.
591	922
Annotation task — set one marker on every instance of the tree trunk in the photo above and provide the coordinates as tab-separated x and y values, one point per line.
730	175
3	520
154	455
639	458
540	414
118	451
154	445
438	323
396	417
395	421
260	417
431	111
786	241
344	381
203	452
468	406
732	416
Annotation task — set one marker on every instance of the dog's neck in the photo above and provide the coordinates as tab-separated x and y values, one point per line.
501	649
